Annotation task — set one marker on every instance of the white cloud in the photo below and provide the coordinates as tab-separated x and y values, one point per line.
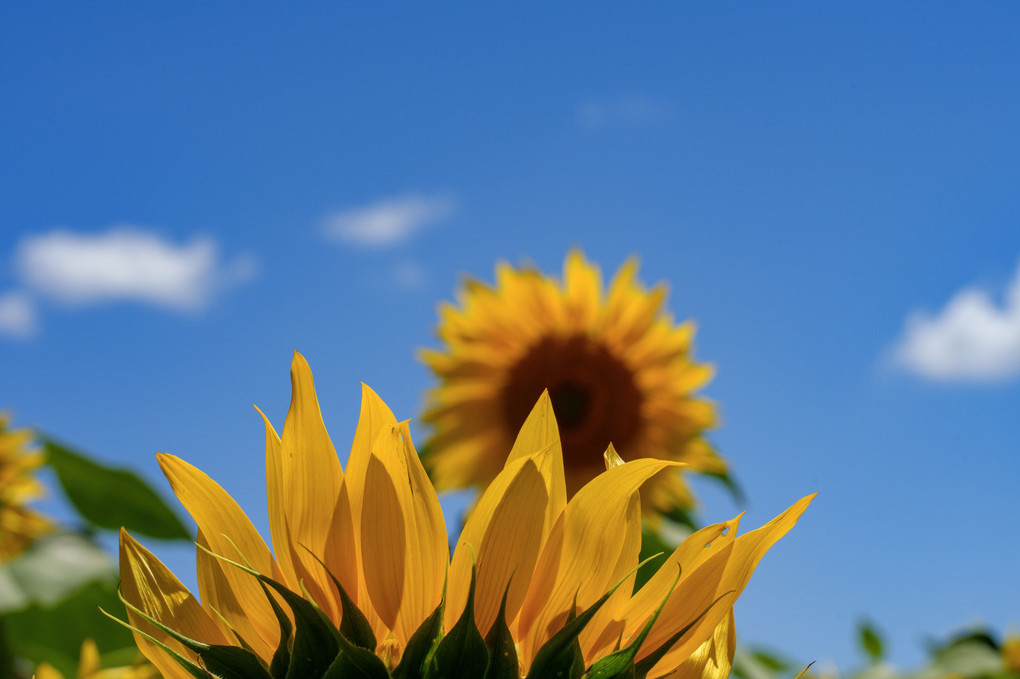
17	315
127	263
389	221
634	110
971	339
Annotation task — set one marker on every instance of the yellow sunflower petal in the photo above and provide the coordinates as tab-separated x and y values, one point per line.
714	658
538	433
503	536
152	588
312	478
744	554
404	547
229	534
592	546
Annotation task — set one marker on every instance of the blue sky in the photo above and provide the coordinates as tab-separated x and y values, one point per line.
829	189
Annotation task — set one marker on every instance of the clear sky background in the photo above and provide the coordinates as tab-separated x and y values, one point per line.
830	189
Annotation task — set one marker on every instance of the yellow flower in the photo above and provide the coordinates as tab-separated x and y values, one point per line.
360	579
1011	653
618	370
19	525
89	667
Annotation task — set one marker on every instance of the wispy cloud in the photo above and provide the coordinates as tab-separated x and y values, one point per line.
971	339
17	315
127	263
389	221
632	110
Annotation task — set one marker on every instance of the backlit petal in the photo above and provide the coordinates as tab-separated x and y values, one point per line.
151	587
231	535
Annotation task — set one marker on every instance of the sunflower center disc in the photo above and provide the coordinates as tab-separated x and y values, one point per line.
593	395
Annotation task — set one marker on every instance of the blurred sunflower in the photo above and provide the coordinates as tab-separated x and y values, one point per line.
19	525
89	667
360	582
618	370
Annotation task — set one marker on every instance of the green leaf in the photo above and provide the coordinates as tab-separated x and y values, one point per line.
502	650
53	568
736	492
32	634
462	652
110	498
421	646
870	641
620	664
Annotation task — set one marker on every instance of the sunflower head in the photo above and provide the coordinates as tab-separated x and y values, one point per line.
617	368
360	581
19	525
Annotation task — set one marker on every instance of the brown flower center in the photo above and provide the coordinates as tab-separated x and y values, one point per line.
593	395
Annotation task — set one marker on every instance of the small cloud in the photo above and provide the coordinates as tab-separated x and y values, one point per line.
409	276
127	263
635	110
17	315
388	222
972	339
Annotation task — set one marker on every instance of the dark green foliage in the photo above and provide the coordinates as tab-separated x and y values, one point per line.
462	652
110	498
870	641
502	651
420	647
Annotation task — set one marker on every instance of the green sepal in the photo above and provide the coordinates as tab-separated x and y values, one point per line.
354	626
281	657
462	652
315	645
190	667
559	655
352	662
421	646
503	662
642	668
620	664
355	662
229	662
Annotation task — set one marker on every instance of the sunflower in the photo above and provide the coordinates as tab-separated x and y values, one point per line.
618	370
89	667
19	525
360	582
